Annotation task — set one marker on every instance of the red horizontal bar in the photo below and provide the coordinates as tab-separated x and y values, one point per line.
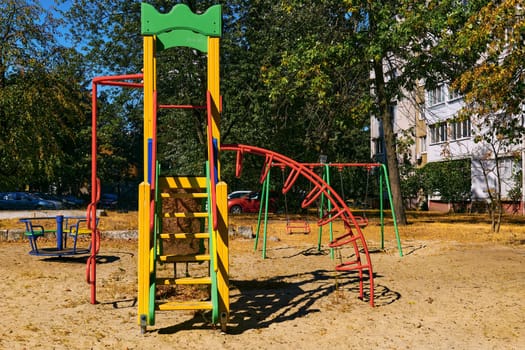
182	107
104	79
342	165
122	83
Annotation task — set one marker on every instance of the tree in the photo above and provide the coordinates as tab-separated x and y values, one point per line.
494	36
495	135
41	101
261	41
26	34
493	87
450	179
401	43
289	83
109	35
313	82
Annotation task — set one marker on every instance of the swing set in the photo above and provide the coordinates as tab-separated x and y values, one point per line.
362	220
292	225
302	226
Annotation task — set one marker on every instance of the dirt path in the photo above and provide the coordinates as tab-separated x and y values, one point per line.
440	295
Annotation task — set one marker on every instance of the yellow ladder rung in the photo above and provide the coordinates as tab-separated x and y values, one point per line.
184	305
186	215
184	258
185	195
202	235
182	182
184	280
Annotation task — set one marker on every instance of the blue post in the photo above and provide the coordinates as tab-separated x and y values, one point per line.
60	222
150	157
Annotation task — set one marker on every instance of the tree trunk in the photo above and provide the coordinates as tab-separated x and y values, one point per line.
383	102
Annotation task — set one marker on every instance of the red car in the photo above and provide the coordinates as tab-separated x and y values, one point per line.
250	203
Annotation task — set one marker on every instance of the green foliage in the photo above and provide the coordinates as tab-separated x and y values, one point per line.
41	134
290	84
413	181
450	179
297	82
42	103
119	143
494	35
516	192
295	79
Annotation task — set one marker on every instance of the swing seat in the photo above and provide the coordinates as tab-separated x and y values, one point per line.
297	226
361	221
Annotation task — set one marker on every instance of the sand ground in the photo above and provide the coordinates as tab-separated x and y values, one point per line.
444	293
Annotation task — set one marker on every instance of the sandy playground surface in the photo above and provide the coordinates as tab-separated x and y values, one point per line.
443	294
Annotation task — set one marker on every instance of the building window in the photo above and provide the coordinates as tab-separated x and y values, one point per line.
438	133
378	146
466	128
421	111
460	129
423	144
453	94
436	96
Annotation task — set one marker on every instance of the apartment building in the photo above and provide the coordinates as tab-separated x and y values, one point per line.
430	118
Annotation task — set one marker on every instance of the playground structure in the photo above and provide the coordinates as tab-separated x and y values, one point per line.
302	226
64	228
362	221
353	235
181	27
204	216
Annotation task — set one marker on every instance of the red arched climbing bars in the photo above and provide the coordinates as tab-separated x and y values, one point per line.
353	234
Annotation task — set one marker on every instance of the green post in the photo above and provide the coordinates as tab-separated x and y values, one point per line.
259	219
266	200
326	178
330	226
387	181
381	208
263	203
320	229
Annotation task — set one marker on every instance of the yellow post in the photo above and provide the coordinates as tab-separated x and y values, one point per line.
143	254
214	89
145	265
149	105
221	235
223	285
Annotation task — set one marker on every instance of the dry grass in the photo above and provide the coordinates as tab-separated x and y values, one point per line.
467	228
422	226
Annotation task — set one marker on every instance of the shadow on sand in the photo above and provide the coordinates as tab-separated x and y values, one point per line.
260	303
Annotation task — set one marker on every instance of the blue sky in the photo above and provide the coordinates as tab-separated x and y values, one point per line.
48	4
51	5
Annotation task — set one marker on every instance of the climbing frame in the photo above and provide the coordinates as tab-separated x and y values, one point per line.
205	218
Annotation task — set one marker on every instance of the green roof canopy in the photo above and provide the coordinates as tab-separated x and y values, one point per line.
181	27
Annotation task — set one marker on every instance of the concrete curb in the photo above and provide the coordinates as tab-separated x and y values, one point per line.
18	234
17	214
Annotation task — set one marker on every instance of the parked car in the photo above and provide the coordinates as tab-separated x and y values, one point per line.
24	201
71	201
237	194
51	198
250	203
108	201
